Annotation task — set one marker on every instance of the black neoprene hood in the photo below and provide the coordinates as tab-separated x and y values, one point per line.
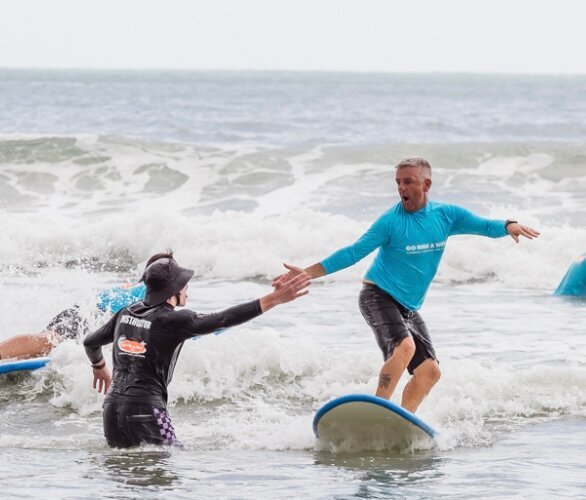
163	279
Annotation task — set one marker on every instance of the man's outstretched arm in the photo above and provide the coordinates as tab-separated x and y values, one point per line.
465	222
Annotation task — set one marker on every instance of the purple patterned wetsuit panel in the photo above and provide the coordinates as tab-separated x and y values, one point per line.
165	426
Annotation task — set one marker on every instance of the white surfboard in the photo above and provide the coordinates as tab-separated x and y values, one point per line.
23	365
362	418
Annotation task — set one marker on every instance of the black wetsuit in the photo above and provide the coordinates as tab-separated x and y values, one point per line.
147	341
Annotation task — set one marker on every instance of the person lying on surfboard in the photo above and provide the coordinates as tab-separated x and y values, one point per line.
147	338
70	324
410	238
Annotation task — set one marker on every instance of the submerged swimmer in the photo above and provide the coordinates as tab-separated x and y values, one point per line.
70	323
147	338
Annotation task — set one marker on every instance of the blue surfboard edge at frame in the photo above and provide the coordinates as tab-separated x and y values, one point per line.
24	364
367	398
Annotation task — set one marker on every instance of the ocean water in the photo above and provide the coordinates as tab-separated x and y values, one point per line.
240	172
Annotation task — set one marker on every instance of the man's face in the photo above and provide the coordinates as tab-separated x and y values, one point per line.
412	187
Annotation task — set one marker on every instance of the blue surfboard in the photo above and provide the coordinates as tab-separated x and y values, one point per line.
364	418
23	365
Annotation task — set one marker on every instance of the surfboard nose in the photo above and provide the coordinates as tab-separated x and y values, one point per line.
363	418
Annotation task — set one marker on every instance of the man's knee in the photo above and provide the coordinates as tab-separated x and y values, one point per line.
429	372
435	372
405	349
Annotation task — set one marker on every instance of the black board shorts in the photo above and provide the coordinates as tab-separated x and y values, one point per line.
69	324
392	323
129	423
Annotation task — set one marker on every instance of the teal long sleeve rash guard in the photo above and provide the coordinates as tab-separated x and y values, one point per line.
411	245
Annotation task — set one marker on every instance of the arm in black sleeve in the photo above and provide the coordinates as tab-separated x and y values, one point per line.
200	324
102	336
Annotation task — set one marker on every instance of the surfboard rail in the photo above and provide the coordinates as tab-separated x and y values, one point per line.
23	365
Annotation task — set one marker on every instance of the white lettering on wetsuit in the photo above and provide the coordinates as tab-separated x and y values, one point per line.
131	320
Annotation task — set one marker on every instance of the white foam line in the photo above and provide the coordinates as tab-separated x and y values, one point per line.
295	196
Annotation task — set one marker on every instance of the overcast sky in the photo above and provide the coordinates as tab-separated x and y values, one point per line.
520	36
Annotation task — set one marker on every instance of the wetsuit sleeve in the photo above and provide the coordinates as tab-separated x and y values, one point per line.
376	236
102	336
465	222
193	324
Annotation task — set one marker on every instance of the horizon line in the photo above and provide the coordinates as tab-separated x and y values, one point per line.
288	70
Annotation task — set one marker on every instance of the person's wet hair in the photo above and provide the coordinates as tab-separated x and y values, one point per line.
167	254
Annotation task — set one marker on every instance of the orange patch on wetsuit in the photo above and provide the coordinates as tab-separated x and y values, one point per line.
131	346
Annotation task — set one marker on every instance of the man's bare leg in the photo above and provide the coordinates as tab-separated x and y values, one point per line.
28	345
424	378
394	367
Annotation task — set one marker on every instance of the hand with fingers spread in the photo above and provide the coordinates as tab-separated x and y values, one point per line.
515	230
286	289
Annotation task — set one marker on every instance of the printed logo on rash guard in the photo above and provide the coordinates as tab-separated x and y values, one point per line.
131	347
425	247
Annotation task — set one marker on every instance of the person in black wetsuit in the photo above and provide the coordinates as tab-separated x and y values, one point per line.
147	338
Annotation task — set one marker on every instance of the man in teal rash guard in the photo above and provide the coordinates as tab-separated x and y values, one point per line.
410	238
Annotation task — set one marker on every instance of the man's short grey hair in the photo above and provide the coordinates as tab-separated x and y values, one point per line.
420	163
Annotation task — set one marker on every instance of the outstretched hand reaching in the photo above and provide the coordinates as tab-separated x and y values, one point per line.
290	274
515	230
286	289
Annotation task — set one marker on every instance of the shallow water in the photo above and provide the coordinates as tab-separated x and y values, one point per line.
541	460
509	408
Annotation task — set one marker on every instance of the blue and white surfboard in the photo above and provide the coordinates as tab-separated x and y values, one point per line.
362	417
23	365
